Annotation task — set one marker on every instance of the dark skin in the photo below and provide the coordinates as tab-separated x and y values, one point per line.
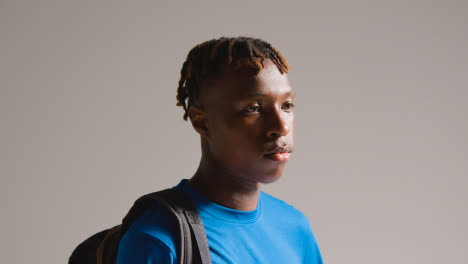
240	118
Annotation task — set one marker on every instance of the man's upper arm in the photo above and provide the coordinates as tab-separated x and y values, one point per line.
313	252
140	248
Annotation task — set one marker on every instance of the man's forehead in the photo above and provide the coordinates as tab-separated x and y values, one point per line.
271	81
260	94
254	88
268	80
235	84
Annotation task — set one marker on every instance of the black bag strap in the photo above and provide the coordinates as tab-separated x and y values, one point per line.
188	220
198	230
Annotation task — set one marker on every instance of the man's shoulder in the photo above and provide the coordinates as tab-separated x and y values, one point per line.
151	236
287	219
158	223
277	206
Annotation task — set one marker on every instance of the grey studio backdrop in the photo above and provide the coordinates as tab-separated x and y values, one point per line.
89	121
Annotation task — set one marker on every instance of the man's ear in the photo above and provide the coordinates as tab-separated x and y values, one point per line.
199	120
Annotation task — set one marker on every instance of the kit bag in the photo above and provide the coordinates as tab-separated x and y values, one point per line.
102	247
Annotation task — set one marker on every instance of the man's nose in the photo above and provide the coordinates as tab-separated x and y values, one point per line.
277	125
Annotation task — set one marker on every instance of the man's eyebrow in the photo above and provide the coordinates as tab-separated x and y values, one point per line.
258	94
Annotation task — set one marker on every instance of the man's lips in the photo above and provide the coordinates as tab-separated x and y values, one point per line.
279	153
278	156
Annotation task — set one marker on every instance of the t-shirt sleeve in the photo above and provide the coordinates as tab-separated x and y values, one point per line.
312	251
140	248
313	254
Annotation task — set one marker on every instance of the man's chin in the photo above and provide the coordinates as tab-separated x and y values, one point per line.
271	176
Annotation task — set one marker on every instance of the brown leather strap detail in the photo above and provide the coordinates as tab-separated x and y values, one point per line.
101	247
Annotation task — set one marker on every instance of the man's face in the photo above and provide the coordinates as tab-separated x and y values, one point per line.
247	117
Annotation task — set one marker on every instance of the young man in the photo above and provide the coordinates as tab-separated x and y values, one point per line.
238	98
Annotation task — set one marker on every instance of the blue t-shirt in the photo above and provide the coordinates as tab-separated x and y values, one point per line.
275	232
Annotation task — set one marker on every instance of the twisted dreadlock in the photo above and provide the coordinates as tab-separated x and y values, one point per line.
206	60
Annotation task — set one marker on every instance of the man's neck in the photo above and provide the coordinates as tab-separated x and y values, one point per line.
219	186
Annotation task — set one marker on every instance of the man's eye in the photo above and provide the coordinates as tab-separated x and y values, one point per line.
252	109
288	106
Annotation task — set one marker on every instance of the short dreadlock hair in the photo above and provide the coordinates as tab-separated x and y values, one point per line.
206	60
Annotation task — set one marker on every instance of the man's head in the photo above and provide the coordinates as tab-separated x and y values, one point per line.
238	97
